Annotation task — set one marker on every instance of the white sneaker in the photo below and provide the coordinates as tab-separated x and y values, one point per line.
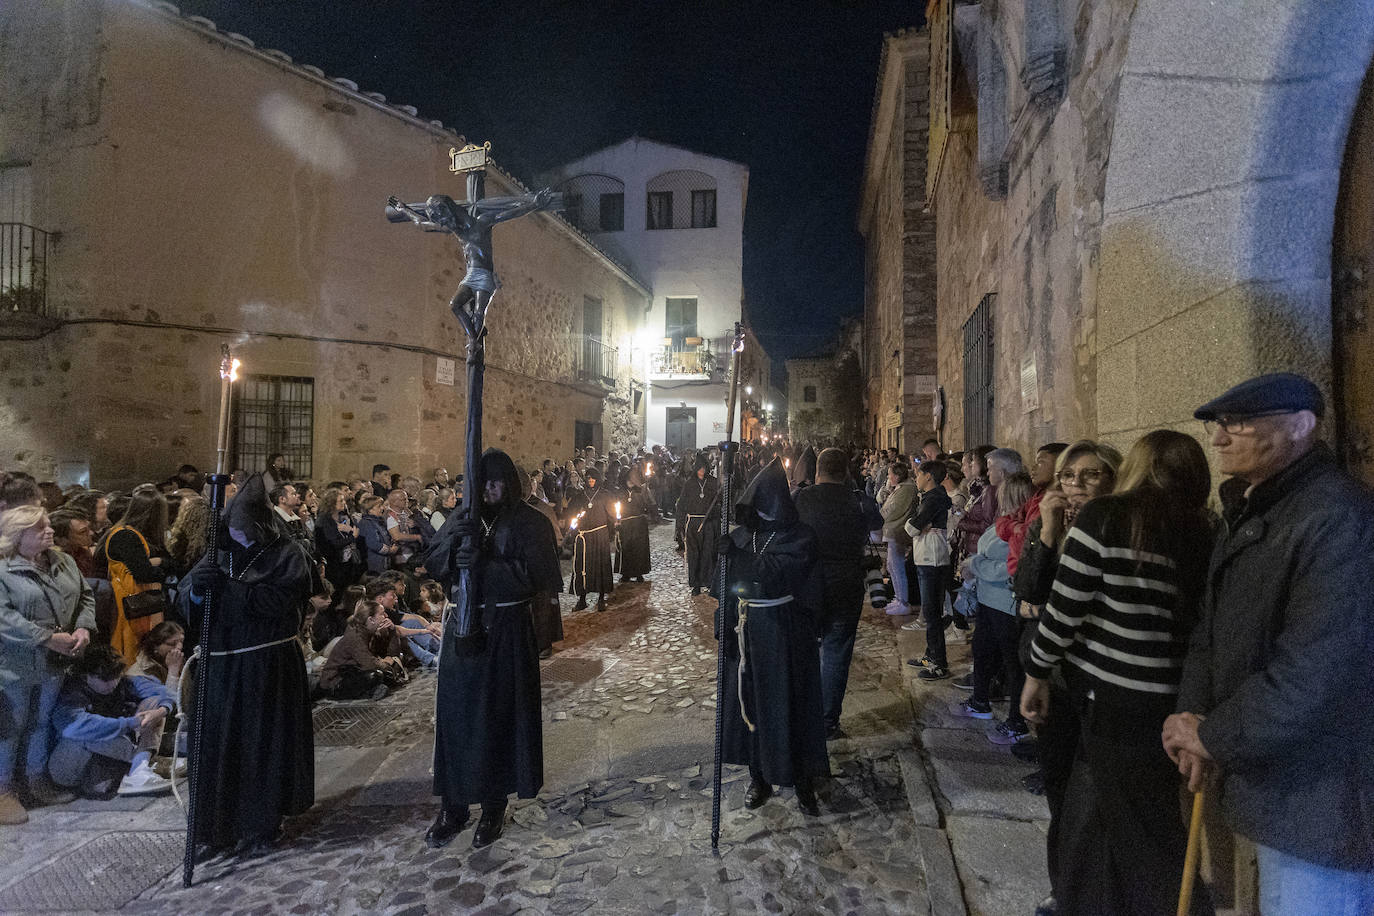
143	781
917	624
897	609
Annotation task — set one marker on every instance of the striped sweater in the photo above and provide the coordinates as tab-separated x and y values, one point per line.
1113	612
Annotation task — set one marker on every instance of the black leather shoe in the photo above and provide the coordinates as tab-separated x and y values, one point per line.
446	826
759	792
806	800
601	605
581	604
489	826
696	591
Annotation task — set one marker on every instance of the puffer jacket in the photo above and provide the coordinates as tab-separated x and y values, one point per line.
33	606
1280	664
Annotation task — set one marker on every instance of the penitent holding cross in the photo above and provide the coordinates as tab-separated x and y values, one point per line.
471	221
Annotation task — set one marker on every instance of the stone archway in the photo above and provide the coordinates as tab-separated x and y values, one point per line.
1352	271
1230	129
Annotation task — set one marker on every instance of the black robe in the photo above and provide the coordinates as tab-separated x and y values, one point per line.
632	556
698	510
259	760
488	741
548	617
781	683
591	570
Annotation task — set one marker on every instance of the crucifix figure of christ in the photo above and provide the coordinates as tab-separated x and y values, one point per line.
471	221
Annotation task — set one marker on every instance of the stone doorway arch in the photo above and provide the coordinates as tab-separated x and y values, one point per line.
1352	293
1229	135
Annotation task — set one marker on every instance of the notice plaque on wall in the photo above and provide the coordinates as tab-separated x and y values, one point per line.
1030	384
445	371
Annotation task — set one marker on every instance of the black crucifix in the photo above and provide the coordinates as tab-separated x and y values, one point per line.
471	221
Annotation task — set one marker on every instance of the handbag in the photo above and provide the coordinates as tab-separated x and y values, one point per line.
144	604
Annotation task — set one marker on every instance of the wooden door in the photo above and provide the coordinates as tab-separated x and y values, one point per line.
1352	278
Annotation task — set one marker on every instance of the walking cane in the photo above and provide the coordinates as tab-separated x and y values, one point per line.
1185	894
727	449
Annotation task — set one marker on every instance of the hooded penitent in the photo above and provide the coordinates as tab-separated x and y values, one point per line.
804	474
497	465
250	513
702	463
766	504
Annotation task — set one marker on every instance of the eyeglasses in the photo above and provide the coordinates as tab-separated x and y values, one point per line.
1084	478
1233	425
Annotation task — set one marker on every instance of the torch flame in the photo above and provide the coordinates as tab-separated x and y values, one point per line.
232	372
617	510
787	462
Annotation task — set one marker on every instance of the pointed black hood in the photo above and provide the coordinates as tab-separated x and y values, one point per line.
805	472
767	494
701	462
497	465
250	512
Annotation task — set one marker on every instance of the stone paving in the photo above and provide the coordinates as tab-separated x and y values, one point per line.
623	823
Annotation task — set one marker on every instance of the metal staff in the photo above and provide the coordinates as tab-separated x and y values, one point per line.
228	373
727	466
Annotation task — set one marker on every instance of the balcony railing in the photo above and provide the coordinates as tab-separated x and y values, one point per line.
594	360
683	361
23	269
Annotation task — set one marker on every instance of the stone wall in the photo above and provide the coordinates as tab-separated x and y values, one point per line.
207	192
1036	250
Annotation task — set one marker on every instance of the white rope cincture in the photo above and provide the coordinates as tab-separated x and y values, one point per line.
744	605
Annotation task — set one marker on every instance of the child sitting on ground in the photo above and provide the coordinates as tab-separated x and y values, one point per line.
108	728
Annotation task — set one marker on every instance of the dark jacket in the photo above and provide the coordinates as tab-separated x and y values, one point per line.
1280	665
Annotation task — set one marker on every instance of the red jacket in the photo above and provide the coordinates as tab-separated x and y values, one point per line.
1012	528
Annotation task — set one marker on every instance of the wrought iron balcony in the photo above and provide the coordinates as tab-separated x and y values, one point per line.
23	269
687	360
594	360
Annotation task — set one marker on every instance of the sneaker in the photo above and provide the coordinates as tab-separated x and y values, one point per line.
143	781
969	709
922	662
917	624
934	673
1006	733
163	767
897	609
12	812
965	682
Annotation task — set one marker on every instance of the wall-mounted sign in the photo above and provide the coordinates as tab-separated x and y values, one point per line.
471	158
1030	384
445	371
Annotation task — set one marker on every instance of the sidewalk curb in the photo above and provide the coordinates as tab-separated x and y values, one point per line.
944	891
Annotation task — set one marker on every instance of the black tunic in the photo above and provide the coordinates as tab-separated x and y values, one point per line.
548	617
633	553
488	741
699	511
591	570
259	759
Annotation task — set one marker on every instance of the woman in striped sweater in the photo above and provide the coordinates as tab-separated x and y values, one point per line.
1116	627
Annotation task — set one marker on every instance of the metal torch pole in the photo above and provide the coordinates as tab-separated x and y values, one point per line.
727	453
218	481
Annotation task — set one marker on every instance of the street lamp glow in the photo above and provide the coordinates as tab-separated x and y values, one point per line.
767	406
748	389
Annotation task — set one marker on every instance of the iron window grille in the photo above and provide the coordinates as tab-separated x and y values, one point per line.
275	413
979	389
23	269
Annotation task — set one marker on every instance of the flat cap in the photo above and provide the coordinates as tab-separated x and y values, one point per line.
1278	392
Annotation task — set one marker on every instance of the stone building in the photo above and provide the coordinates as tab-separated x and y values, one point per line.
171	187
899	251
677	218
1137	204
825	391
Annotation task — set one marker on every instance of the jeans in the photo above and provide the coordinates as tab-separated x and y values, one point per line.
29	736
1290	886
424	647
931	580
896	568
843	606
996	644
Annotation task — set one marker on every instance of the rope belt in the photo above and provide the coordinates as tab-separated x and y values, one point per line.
266	645
628	517
744	605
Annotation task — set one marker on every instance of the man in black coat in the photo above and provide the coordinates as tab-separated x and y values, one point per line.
841	519
258	764
1279	665
772	701
488	742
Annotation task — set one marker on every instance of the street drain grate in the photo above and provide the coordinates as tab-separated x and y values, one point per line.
573	670
345	726
102	874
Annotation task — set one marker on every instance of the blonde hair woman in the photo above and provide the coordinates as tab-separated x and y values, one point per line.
46	611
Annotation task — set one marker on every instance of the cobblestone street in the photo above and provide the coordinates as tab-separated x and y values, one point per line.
623	823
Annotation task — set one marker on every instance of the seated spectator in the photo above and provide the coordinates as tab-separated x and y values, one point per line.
132	552
352	671
388	590
71	534
405	534
189	537
108	727
376	538
20	490
436	603
160	657
91	504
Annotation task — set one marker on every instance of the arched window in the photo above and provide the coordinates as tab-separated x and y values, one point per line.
683	199
594	203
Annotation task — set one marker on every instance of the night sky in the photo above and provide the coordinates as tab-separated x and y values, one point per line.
786	88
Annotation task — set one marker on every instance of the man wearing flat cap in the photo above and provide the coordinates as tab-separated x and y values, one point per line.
1280	670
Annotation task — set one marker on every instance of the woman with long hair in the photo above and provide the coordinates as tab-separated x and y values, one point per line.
190	535
135	568
1124	599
